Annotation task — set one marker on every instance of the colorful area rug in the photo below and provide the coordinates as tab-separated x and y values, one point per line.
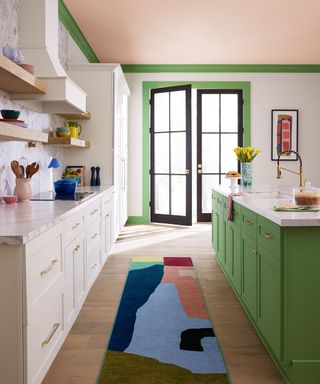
162	333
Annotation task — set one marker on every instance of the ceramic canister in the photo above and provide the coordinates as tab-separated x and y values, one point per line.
23	189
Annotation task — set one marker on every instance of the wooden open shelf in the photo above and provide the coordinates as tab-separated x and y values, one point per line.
10	132
68	142
14	79
76	116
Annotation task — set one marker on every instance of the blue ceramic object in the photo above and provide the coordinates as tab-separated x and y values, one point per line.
65	187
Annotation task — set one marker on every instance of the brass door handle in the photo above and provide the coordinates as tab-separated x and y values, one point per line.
45	271
267	235
248	222
94	236
76	226
94	211
47	340
76	249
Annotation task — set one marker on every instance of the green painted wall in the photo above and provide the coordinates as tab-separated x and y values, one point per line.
146	88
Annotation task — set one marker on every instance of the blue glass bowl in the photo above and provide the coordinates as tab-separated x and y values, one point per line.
65	187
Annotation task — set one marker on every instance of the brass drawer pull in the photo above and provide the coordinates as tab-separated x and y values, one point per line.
255	252
94	236
76	226
76	249
94	211
267	235
54	329
94	265
249	222
45	271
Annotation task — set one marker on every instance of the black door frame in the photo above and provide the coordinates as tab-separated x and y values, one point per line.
162	218
206	217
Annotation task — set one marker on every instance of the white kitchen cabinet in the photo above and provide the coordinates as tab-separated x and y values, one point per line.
107	225
107	130
43	285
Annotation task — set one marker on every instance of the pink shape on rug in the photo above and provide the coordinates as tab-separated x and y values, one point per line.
188	289
178	261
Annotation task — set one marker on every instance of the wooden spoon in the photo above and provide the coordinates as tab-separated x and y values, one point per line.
34	168
15	168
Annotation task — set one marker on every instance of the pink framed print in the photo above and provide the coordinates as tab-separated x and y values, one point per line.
284	133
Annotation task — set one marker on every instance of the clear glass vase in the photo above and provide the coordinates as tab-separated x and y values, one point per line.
246	174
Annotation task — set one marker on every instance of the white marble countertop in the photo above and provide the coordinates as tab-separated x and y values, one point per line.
262	199
21	222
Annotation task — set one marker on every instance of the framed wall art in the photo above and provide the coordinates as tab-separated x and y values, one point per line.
75	172
284	133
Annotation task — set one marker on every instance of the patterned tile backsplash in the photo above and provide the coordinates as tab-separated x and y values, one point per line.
42	181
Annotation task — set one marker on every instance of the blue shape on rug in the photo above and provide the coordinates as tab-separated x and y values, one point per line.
157	334
141	283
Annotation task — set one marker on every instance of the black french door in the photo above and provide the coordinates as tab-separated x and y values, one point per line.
219	130
171	175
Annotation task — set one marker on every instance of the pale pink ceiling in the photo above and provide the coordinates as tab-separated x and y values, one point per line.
201	31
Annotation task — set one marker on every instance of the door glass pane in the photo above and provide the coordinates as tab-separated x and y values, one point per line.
178	110
161	198
208	181
178	152
210	113
161	112
229	112
161	153
210	153
178	195
228	157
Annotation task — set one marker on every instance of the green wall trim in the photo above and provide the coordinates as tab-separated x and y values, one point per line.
69	22
146	88
244	68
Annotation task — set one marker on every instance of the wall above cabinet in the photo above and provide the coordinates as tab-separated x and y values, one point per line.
14	79
10	132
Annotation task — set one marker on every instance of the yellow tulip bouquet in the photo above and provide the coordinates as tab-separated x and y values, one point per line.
246	154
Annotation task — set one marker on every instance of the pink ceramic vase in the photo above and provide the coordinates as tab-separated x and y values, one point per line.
23	189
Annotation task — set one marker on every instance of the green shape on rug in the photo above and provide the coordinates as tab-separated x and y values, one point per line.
120	367
146	264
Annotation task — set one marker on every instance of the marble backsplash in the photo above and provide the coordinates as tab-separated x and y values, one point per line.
42	181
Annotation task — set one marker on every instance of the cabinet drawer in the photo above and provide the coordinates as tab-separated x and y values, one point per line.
219	200
44	270
93	267
269	236
93	211
44	338
93	236
73	226
106	203
249	222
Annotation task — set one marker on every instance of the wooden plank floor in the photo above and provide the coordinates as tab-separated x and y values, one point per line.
80	357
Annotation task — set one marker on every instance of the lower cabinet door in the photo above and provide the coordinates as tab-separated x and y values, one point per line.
222	238
269	299
236	261
215	231
229	250
249	274
74	288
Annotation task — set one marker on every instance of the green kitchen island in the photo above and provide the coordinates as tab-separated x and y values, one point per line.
272	261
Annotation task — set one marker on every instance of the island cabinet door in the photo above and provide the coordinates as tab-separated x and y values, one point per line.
222	238
268	320
232	250
249	274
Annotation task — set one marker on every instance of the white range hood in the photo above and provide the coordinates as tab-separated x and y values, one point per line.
39	41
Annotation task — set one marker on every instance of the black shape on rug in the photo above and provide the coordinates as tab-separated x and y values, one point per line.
191	338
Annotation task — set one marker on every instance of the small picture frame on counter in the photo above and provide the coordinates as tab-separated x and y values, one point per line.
75	172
